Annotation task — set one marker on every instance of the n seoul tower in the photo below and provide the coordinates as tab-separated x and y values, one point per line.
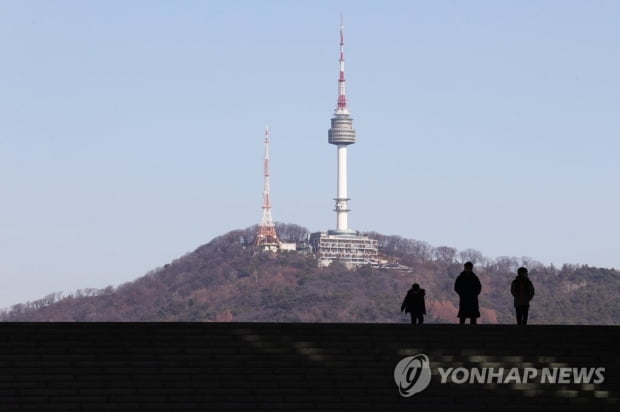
343	244
342	134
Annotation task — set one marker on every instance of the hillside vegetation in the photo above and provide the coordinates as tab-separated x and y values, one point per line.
230	280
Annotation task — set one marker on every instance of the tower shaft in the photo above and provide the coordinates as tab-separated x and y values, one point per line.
342	199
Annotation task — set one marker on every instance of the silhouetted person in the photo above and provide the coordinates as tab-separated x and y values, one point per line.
523	291
414	304
468	286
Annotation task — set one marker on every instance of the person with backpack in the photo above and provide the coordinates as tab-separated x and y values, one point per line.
414	304
522	290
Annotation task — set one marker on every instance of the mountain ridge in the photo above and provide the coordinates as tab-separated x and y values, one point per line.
228	279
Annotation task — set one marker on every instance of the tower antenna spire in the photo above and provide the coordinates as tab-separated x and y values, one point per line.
267	236
342	94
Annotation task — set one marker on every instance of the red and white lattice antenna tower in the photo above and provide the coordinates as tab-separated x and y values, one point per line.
267	219
267	235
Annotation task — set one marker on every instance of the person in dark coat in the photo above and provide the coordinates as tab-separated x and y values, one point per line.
468	286
523	291
414	304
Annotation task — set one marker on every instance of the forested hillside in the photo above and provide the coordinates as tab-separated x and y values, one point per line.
230	280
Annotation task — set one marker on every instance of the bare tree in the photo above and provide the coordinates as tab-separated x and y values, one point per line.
445	254
289	232
471	255
506	264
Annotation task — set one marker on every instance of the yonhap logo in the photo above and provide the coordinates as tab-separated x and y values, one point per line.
412	374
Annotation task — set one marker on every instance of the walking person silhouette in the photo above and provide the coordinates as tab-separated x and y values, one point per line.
468	287
522	290
414	304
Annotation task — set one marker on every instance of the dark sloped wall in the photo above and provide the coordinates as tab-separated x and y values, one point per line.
283	366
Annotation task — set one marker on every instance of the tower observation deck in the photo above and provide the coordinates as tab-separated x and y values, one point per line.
341	132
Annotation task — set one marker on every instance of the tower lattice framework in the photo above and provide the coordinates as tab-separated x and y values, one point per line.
267	235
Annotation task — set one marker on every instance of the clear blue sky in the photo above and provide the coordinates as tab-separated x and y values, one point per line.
131	131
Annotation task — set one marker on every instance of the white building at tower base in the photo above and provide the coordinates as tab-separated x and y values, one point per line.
348	248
